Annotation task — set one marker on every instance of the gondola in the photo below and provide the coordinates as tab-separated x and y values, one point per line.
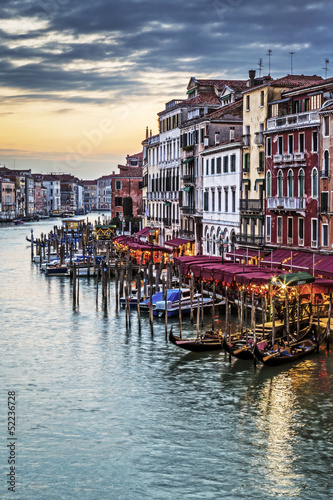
280	354
210	341
240	347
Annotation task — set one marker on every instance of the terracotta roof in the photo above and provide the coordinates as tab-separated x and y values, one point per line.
326	108
203	98
235	107
289	81
220	84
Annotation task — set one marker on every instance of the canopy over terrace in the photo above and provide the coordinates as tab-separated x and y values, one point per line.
143	232
246	253
177	242
187	261
292	279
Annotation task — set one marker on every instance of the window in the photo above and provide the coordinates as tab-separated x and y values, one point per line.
326	163
301	183
206	201
301	143
280	184
247	103
314	190
314	142
233	163
207	167
247	162
324	201
268	228
290	229
225	164
301	231
213	200
269	184
219	200
233	200
218	165
262	98
290	144
280	145
261	162
279	229
326	126
202	134
290	184
325	235
118	185
314	231
269	146
212	166
226	192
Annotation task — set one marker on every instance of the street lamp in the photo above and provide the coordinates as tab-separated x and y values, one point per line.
122	224
222	241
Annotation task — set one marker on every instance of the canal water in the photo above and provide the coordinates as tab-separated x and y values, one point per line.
107	413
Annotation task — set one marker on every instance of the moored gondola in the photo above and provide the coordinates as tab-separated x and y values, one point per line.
210	341
280	354
240	347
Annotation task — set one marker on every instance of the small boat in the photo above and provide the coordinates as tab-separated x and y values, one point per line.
133	299
282	353
240	346
210	341
56	270
185	303
18	222
158	296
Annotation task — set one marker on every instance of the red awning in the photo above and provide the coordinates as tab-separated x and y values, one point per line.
322	285
244	253
324	265
143	232
277	257
187	261
257	277
177	242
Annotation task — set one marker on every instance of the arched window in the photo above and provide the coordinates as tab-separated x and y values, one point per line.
290	184
314	190
214	246
326	163
280	184
207	241
301	183
269	184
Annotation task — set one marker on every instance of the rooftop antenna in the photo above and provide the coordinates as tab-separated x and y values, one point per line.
269	61
326	63
291	62
260	64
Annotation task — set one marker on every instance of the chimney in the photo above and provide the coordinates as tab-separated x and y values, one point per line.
151	133
252	75
146	133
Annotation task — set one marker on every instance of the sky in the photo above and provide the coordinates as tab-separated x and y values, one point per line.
79	82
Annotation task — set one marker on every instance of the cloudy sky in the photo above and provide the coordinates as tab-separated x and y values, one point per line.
79	82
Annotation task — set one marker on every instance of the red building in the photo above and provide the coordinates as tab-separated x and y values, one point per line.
292	170
126	185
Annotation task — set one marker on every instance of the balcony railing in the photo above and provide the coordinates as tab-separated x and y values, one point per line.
188	179
251	205
246	239
187	210
310	117
259	138
283	203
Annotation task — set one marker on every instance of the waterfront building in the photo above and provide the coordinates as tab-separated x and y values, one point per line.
40	195
325	219
199	131
257	100
126	193
292	168
7	198
104	192
52	185
89	195
222	171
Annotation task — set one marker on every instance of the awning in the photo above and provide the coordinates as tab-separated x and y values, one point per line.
322	285
299	261
244	253
187	188
257	181
291	279
186	261
188	160
143	232
277	257
324	265
177	242
246	181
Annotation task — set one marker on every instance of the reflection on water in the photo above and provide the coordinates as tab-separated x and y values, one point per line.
107	412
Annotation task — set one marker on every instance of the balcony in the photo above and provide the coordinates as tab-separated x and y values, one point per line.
188	179
259	138
246	140
246	239
187	210
288	157
282	203
278	158
251	205
290	121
